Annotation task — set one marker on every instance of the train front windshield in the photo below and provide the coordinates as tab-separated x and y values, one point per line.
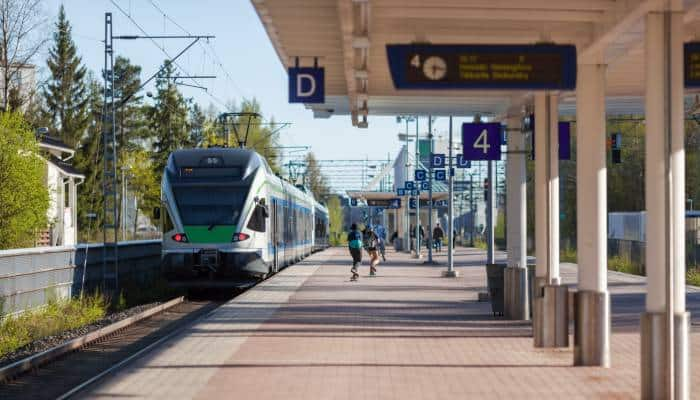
215	205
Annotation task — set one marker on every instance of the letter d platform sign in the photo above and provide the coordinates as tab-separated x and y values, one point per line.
306	85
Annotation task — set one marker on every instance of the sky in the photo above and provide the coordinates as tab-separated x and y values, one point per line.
241	56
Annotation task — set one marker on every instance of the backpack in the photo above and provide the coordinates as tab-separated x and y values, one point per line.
355	240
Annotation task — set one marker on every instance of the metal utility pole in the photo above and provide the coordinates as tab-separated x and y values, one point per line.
450	273
111	223
430	192
417	255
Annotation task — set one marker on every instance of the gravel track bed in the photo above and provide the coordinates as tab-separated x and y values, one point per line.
48	342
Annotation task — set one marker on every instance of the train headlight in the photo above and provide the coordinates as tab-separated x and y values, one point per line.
239	237
180	237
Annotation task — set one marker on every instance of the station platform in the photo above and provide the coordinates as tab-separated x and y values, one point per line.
309	333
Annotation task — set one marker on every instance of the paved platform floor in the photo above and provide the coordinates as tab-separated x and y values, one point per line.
309	333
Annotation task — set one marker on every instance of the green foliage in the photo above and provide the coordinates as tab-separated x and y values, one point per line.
24	197
88	159
167	119
692	276
623	264
568	254
144	182
314	179
130	119
335	221
55	317
66	93
480	244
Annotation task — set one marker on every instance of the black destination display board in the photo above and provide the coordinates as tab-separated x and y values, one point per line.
497	67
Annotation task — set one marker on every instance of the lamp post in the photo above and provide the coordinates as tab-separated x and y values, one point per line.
407	164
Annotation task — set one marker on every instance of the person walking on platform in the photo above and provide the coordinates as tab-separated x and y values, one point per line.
355	247
381	235
371	245
438	234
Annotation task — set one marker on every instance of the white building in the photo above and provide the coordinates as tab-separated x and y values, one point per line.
62	180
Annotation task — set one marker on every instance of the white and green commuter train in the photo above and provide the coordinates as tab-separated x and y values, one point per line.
227	218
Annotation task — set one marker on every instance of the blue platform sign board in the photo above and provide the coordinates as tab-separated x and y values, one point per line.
395	203
412	203
462	162
425	185
353	202
409	185
437	160
564	140
400	192
420	175
484	67
415	192
440	175
306	85
481	141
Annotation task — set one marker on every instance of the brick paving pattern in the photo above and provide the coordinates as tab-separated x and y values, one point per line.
309	333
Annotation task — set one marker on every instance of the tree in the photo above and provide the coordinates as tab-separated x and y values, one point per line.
19	43
167	119
198	125
23	192
66	92
144	182
314	178
89	159
130	120
335	220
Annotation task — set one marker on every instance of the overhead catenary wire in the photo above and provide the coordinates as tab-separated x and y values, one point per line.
163	50
214	56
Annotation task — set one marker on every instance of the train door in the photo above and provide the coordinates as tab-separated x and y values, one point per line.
274	239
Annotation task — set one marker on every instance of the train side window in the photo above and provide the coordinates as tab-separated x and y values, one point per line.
257	220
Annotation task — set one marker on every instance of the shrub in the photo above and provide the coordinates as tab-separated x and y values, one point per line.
55	317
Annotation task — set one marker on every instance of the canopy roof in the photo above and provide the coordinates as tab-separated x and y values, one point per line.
349	37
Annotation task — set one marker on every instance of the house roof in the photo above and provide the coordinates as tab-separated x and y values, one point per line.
52	142
65	167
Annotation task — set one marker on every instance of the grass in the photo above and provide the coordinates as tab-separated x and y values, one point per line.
622	264
55	317
480	244
568	255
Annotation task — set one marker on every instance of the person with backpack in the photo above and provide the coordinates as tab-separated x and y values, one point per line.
355	243
371	242
438	234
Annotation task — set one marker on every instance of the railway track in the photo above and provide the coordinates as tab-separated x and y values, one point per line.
65	370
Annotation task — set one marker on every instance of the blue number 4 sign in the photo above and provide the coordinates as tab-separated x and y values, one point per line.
481	141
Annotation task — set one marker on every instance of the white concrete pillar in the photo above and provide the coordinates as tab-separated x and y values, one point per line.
592	302
516	190
550	298
665	323
516	279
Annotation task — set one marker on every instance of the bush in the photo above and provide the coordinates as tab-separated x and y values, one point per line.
568	255
622	264
692	276
23	193
55	317
480	244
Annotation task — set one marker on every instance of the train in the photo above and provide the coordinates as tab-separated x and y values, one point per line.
227	218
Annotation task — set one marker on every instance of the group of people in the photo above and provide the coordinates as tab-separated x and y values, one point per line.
372	241
438	236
